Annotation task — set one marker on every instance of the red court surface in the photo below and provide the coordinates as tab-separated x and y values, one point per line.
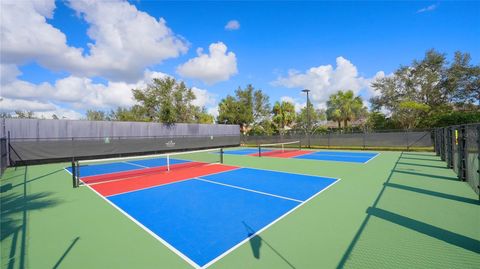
136	173
146	181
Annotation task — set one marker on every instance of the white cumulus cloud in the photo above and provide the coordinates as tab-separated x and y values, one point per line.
125	40
325	80
67	96
203	97
72	92
232	25
218	65
298	104
427	9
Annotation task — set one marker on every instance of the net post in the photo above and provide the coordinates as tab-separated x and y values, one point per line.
77	181
168	163
221	155
74	173
259	151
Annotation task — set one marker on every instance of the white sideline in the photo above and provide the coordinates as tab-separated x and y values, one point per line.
250	190
266	227
183	256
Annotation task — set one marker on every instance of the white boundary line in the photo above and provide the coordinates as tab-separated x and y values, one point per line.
107	173
139	165
173	182
284	172
356	163
373	157
249	190
316	151
349	156
122	159
266	227
176	251
184	257
67	171
80	180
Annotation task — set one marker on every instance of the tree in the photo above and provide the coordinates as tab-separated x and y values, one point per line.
247	108
165	100
135	113
261	107
202	116
316	118
422	82
463	81
283	116
96	115
24	114
378	121
431	82
344	107
409	113
5	115
265	127
228	110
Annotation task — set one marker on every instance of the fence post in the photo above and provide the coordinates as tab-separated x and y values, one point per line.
462	163
478	157
328	139
8	149
406	137
364	134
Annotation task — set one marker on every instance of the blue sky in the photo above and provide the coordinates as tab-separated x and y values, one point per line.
71	56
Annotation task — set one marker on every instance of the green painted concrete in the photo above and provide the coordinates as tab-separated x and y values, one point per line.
401	210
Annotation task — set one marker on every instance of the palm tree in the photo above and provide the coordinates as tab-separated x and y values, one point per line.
344	106
283	115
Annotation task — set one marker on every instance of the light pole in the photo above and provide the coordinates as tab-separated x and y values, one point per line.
308	116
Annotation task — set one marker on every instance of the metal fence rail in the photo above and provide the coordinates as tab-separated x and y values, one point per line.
459	146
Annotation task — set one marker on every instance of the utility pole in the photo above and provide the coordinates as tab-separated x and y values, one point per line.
308	117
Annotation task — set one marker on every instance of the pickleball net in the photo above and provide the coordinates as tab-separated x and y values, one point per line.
274	149
97	171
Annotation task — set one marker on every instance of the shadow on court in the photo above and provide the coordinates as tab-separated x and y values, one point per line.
434	193
426	175
256	243
425	165
14	217
423	159
449	237
66	252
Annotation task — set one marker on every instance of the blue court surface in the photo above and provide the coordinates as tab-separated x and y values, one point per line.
244	151
335	156
339	156
205	217
123	166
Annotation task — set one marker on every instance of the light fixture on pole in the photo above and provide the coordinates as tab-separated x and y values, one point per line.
308	116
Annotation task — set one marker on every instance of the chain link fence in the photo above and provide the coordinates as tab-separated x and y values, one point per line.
459	147
41	141
399	140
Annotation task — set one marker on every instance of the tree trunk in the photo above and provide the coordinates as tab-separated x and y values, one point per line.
345	123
